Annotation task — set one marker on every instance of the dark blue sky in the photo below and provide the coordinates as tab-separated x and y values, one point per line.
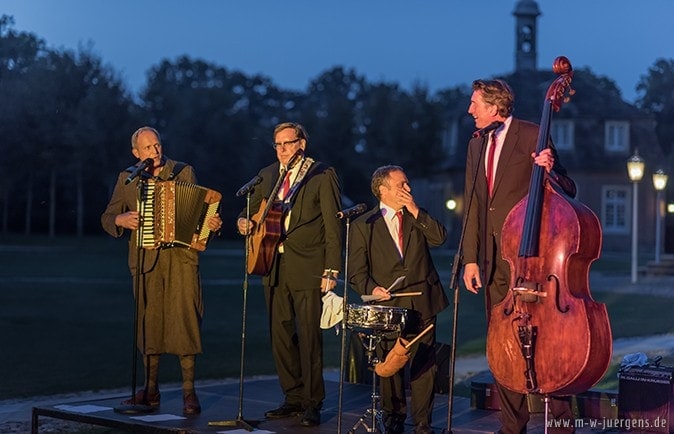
439	43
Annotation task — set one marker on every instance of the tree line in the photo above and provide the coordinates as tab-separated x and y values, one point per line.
66	119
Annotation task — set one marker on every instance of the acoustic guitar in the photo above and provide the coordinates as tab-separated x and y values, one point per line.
267	232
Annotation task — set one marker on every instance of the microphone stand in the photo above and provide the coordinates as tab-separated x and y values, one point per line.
454	284
240	421
344	325
134	407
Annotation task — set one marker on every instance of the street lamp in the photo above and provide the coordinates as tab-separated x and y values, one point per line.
635	170
659	182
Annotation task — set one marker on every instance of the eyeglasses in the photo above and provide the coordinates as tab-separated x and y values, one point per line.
285	144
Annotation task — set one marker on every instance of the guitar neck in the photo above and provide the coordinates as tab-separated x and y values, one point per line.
272	195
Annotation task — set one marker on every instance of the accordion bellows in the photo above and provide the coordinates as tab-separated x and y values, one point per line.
174	213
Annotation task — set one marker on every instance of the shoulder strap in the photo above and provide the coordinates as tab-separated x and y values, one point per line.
307	167
179	166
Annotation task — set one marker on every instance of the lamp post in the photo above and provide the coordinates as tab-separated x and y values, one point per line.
659	182
635	171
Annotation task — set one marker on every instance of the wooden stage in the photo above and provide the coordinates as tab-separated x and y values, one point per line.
220	412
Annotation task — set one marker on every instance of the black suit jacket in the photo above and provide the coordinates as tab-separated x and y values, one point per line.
484	215
374	260
313	241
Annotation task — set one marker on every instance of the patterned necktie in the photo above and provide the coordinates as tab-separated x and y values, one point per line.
490	164
283	191
399	214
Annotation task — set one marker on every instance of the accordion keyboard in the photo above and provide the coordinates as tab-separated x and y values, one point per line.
146	212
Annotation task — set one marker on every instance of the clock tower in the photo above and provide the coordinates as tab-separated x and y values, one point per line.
526	13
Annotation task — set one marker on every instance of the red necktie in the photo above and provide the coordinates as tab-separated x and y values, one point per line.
399	214
490	164
283	191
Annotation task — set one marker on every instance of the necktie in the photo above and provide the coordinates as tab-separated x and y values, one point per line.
283	191
490	164
399	215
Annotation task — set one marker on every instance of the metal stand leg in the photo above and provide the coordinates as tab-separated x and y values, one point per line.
547	409
372	420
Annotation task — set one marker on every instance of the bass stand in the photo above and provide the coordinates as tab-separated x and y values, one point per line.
454	284
135	408
240	421
372	415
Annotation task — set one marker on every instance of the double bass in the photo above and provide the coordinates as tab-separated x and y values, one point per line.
548	335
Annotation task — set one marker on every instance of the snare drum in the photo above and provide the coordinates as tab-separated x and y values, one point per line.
384	318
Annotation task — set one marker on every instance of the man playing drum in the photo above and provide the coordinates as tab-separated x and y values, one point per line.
390	241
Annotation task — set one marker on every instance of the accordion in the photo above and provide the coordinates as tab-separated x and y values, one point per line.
175	213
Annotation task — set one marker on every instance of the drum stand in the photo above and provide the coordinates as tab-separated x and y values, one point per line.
372	415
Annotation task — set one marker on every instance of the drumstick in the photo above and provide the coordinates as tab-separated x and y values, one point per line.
405	294
426	330
401	294
395	283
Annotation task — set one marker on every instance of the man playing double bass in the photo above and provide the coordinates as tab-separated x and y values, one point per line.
497	178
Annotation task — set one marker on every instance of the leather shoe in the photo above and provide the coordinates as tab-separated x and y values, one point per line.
311	417
285	410
423	428
143	397
394	423
191	404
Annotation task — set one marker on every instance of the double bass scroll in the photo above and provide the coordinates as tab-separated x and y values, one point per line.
548	335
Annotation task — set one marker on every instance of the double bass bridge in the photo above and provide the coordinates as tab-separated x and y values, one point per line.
529	291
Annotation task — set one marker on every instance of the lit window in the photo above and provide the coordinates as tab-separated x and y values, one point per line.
615	210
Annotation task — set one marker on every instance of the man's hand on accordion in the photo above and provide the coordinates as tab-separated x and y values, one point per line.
215	223
245	226
128	220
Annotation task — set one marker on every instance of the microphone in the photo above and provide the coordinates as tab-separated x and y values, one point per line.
486	130
249	186
350	212
142	166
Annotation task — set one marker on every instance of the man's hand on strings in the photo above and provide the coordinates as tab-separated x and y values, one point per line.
545	159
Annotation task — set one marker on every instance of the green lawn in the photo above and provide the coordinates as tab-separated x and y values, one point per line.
66	322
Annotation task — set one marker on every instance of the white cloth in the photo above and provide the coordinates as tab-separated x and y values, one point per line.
333	310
